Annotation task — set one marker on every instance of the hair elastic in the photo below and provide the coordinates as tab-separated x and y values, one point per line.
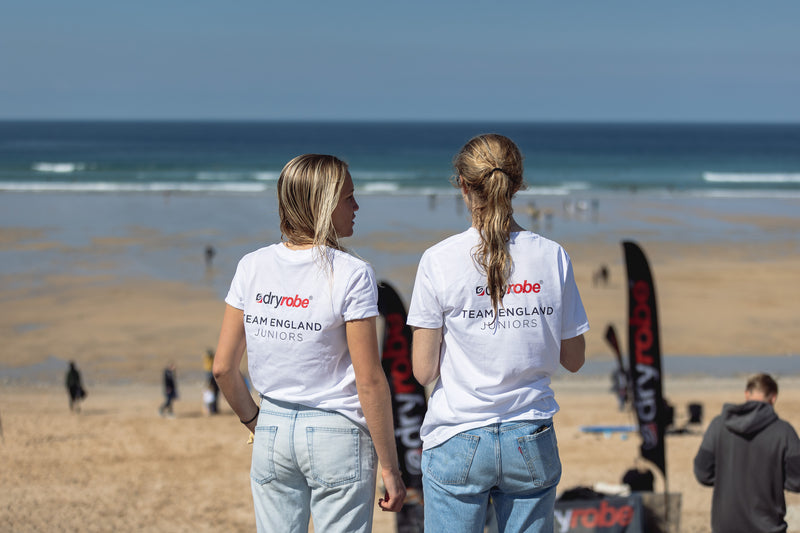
254	417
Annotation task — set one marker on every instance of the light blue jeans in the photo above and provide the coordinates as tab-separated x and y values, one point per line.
310	462
515	463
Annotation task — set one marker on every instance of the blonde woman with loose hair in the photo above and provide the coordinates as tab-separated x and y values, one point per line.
308	191
305	310
495	311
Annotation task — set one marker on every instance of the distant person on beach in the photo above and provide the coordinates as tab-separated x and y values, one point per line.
170	391
74	387
495	310
209	255
211	392
210	398
306	310
600	277
750	456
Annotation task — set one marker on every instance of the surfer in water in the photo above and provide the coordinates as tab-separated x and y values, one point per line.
325	410
488	432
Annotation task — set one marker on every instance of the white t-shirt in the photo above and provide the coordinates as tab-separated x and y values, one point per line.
493	373
295	311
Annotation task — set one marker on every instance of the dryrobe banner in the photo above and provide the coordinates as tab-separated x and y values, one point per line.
408	404
645	356
607	515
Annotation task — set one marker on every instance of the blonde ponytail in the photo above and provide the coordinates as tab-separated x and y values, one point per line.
489	167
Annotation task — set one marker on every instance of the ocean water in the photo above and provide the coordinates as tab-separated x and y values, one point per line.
562	159
213	183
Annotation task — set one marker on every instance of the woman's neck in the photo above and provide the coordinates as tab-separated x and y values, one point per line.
512	228
295	246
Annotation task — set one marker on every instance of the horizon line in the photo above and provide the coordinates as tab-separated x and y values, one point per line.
411	121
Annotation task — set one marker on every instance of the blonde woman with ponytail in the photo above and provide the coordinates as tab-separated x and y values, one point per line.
495	311
305	311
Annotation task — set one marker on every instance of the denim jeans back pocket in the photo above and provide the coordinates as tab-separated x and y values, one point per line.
449	463
262	466
334	453
540	451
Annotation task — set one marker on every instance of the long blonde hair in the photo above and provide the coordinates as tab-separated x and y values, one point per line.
308	191
489	168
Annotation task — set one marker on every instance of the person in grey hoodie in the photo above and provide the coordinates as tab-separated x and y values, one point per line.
750	456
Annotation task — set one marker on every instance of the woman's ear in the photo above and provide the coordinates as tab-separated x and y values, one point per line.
463	186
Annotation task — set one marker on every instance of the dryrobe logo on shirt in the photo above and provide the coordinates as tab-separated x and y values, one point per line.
525	287
276	301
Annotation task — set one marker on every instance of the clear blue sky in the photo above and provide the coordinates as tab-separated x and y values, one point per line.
679	60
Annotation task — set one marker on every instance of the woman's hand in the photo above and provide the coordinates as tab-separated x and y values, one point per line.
395	493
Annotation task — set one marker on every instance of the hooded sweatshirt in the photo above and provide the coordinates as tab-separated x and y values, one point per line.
749	456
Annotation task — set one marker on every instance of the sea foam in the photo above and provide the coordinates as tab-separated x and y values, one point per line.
61	168
737	177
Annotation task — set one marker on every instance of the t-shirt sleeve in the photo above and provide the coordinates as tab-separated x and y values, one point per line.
574	320
235	297
361	295
425	310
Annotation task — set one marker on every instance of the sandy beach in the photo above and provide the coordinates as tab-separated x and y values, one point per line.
123	296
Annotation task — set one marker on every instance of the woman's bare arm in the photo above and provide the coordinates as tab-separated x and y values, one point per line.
376	402
228	357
